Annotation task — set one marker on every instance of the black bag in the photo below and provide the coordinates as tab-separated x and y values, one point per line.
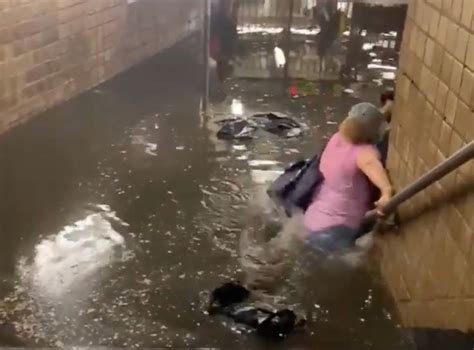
233	300
296	186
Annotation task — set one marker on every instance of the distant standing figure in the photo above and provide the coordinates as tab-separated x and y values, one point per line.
223	37
387	100
351	166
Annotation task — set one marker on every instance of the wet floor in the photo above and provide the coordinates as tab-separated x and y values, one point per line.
121	210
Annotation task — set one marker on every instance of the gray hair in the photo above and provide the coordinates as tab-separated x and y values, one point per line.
370	119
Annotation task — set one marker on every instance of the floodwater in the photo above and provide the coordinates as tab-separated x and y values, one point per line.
121	210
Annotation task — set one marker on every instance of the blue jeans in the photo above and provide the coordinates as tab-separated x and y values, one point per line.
333	239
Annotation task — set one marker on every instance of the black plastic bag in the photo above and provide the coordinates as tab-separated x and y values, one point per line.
278	125
236	129
234	301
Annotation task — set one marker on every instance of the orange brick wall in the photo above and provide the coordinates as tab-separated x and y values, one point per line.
51	50
429	264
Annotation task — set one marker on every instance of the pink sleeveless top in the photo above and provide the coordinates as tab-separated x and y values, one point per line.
345	195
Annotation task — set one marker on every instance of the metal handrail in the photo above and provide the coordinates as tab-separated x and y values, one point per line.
462	156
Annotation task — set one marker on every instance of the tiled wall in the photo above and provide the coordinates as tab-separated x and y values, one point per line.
51	50
429	265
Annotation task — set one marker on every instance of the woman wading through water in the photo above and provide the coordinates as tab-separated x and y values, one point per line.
352	168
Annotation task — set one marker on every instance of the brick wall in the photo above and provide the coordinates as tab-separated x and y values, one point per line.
429	265
51	50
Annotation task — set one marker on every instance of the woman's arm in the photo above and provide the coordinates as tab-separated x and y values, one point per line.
369	163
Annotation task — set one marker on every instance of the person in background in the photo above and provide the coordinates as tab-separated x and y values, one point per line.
387	100
328	18
223	36
351	166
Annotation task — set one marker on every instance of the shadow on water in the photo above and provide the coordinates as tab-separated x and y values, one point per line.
122	209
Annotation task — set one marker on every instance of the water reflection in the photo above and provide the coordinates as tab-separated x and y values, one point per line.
63	264
267	30
237	108
59	283
346	58
329	40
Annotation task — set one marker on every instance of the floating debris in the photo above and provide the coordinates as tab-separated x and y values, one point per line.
257	163
150	149
239	147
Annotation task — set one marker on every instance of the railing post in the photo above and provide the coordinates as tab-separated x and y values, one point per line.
206	55
289	24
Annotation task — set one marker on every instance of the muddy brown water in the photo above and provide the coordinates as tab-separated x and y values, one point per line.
120	210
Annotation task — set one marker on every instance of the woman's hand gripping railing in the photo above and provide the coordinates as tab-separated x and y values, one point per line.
456	160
